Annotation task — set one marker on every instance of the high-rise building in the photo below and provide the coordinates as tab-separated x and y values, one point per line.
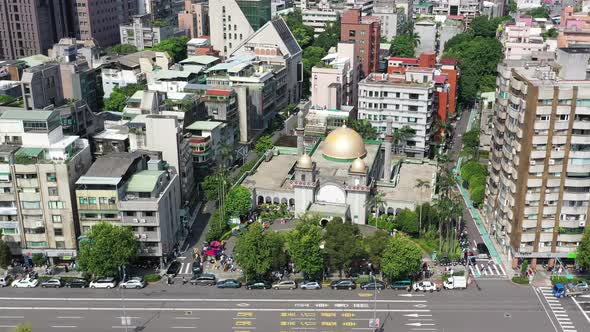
194	19
256	11
231	26
537	200
365	32
29	27
100	19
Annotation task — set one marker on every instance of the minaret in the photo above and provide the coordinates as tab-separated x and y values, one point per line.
299	131
387	155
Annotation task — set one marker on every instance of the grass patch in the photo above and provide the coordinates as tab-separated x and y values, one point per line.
152	277
520	280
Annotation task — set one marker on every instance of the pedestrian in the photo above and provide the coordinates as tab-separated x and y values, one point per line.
66	268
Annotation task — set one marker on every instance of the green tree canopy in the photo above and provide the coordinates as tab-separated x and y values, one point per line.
477	194
401	258
303	244
121	49
471	138
238	201
214	183
254	251
5	254
375	245
106	248
363	127
263	144
118	98
27	327
404	45
302	33
217	226
343	244
539	12
407	221
485	26
174	46
512	6
472	168
550	34
330	37
583	251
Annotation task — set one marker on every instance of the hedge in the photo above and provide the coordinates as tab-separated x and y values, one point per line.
520	280
152	277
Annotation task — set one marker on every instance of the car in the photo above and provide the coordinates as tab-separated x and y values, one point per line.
5	281
401	284
196	268
135	282
77	283
286	284
310	285
258	285
25	283
53	282
173	269
583	286
372	285
343	284
104	283
229	283
482	251
426	286
206	279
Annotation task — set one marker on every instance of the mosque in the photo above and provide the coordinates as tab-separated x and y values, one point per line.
336	176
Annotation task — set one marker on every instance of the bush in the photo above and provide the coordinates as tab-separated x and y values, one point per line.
564	280
152	277
520	280
226	235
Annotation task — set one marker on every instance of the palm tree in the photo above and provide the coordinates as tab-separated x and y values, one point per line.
415	38
377	201
402	135
421	185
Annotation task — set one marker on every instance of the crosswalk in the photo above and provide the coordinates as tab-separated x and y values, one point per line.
487	270
185	268
558	311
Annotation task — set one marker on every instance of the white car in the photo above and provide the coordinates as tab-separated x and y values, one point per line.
425	286
133	283
25	283
310	285
104	283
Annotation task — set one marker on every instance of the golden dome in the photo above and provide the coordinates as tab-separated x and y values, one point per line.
344	144
358	166
304	161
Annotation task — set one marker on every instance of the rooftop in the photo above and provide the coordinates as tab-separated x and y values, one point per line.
112	165
382	79
200	59
144	181
112	134
405	189
204	125
12	114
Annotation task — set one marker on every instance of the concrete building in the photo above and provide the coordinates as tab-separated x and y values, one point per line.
536	197
194	20
319	121
100	20
71	50
222	106
522	39
135	191
465	9
124	70
486	120
161	10
334	82
365	32
427	31
81	82
407	99
41	86
142	32
449	29
318	19
212	144
528	4
40	167
574	28
392	18
29	27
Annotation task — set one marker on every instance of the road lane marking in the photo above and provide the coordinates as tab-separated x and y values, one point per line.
8	326
64	326
193	318
124	327
580	308
107	299
546	311
10	317
241	318
69	317
213	309
183	327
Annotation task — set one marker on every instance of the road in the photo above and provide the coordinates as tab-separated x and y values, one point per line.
498	306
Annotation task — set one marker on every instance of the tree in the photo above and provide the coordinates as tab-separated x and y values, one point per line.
477	194
583	251
302	33
404	45
472	168
363	127
218	226
106	248
303	244
485	26
375	244
121	49
263	144
376	201
254	251
539	12
174	46
5	99
5	254
407	221
238	201
212	184
343	244
118	98
276	243
330	37
39	259
23	328
421	185
550	34
400	136
512	6
401	259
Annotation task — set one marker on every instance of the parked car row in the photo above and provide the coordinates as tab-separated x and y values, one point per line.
108	282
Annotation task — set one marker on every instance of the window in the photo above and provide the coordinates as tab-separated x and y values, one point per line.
150	229
92	200
56	205
129	213
414	96
9	231
60	244
52	191
31	204
56	218
351	33
51	177
564	117
85	229
149	213
58	232
412	120
82	200
36	244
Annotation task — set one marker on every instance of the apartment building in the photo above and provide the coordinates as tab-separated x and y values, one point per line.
142	32
334	82
318	19
408	99
466	9
137	191
41	86
81	82
124	70
222	105
519	40
537	195
162	10
574	28
231	25
29	27
100	20
39	168
365	32
194	19
392	18
212	144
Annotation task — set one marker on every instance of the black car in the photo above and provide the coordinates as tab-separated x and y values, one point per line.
173	269
372	285
229	283
258	285
196	268
343	284
77	283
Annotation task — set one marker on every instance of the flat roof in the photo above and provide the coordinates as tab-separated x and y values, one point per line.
112	165
405	189
112	181
204	125
144	181
13	114
200	59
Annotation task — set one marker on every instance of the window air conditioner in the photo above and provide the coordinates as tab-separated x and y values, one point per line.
143	221
582	223
135	220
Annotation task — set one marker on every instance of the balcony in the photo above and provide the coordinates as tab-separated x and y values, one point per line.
27	183
8	197
98	207
527	237
569	237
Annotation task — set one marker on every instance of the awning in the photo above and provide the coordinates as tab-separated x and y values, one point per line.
29	152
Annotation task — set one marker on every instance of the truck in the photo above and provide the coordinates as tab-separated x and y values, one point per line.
455	282
560	290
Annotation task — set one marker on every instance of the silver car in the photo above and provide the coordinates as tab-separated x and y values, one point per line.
310	285
134	282
288	284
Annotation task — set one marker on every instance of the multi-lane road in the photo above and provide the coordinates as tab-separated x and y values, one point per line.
497	306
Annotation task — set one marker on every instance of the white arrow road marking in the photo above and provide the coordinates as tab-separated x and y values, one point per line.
426	329
420	305
10	317
410	295
419	324
243	304
420	319
417	315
